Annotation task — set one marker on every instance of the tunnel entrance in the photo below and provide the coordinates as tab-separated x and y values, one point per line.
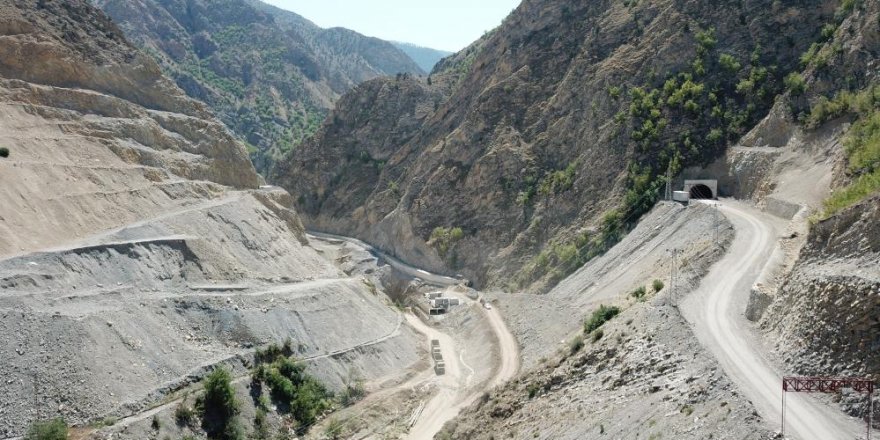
701	191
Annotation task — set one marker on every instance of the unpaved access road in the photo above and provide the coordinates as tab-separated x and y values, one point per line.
454	392
453	388
716	311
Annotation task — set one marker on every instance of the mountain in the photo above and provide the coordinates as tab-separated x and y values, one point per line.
268	74
536	148
137	250
425	57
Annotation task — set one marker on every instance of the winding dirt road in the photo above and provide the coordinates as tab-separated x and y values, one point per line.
455	392
716	311
454	388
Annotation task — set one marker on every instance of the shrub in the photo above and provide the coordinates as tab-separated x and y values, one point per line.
729	63
639	293
599	317
273	351
334	428
715	135
532	389
576	344
156	424
353	392
443	239
849	195
706	41
614	91
184	414
597	335
219	405
657	285
55	429
294	390
4	152
795	83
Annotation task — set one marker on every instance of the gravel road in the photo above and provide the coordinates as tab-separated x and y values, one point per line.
716	310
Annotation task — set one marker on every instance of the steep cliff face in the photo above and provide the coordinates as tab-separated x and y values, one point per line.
269	74
554	131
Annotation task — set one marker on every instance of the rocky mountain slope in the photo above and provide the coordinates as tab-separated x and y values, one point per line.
425	57
533	150
268	74
137	250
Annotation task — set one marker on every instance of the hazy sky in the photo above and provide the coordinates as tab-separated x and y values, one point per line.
441	24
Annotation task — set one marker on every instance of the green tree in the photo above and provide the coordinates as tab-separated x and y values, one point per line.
220	406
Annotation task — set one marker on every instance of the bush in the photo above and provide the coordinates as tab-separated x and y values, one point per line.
532	389
443	239
219	406
353	392
657	285
639	293
576	344
184	414
599	317
729	63
55	429
597	335
795	83
261	428
4	152
334	428
295	391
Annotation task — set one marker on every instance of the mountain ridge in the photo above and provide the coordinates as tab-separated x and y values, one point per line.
269	74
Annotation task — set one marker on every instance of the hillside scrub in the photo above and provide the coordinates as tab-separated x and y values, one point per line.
443	239
292	389
861	144
55	429
220	407
599	317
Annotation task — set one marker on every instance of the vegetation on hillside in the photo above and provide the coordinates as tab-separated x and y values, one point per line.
444	239
676	119
294	391
219	407
268	74
55	429
861	144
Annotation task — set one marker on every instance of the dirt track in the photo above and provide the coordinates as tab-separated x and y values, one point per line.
716	311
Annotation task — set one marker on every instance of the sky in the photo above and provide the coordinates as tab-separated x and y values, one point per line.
439	24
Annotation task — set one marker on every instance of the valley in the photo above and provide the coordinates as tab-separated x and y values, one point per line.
602	219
